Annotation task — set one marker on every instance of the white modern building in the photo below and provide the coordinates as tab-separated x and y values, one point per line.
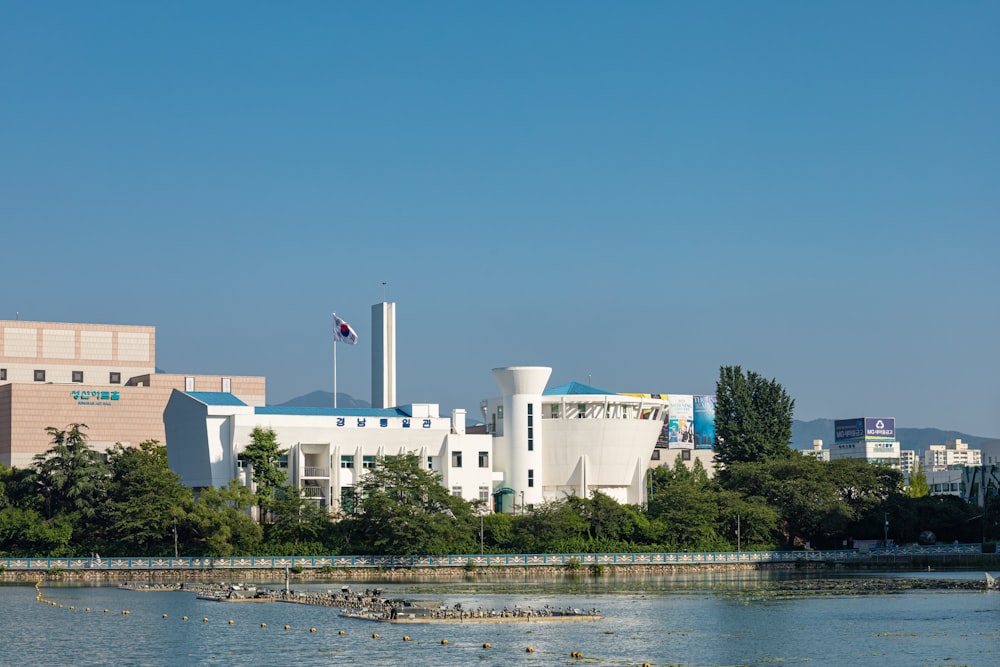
868	438
537	445
949	455
570	440
328	448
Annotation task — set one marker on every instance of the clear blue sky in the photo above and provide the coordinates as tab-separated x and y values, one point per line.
632	193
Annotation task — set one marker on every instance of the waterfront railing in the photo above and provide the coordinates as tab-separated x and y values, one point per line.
143	563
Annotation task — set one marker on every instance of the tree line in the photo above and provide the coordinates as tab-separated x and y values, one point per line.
74	501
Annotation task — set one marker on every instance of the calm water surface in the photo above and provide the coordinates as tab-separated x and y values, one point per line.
730	619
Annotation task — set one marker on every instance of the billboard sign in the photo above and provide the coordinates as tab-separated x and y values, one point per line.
681	422
865	428
704	422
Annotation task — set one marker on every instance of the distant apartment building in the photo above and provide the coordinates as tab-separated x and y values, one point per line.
946	482
53	374
907	462
870	438
954	453
818	452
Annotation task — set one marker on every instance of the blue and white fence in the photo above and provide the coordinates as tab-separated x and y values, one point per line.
486	560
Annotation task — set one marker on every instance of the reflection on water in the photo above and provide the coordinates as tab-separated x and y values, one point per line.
704	619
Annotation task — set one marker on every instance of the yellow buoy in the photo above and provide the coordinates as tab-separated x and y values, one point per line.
375	636
184	618
312	629
486	645
263	625
444	642
105	611
406	638
530	649
164	616
341	632
288	627
205	620
231	621
87	609
71	607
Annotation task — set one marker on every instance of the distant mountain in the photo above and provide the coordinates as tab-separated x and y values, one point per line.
324	399
803	434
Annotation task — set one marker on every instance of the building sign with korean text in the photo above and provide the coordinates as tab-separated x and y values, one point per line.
95	396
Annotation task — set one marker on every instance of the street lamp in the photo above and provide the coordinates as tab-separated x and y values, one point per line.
175	540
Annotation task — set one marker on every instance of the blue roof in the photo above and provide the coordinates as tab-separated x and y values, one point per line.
575	388
331	412
215	398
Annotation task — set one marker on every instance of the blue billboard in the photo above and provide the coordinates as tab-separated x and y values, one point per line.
704	422
865	428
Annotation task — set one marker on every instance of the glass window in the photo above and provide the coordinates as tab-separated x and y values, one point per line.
115	378
39	376
484	459
456	459
456	491
77	376
346	461
3	374
430	463
531	478
484	494
368	462
347	499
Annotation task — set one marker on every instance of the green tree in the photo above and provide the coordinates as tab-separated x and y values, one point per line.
300	526
218	524
685	509
404	510
753	417
918	487
70	477
551	527
263	454
146	501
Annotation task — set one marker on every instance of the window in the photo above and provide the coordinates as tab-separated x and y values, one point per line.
347	499
484	494
189	384
283	462
484	459
3	374
368	462
39	376
430	463
77	376
456	491
346	461
656	455
531	429
581	410
531	478
456	459
555	411
227	385
685	455
115	378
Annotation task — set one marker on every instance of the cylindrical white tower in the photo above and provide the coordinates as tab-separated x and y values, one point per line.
384	355
521	388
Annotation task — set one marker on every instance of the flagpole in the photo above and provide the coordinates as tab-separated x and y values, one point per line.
335	364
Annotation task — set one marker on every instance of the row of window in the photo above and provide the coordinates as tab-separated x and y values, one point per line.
113	377
368	462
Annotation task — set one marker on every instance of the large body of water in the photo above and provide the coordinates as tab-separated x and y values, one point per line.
720	619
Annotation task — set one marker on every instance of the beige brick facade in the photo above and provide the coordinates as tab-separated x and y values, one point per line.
56	374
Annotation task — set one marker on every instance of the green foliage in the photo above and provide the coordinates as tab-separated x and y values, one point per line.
918	488
263	454
145	501
70	477
404	510
753	417
298	523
